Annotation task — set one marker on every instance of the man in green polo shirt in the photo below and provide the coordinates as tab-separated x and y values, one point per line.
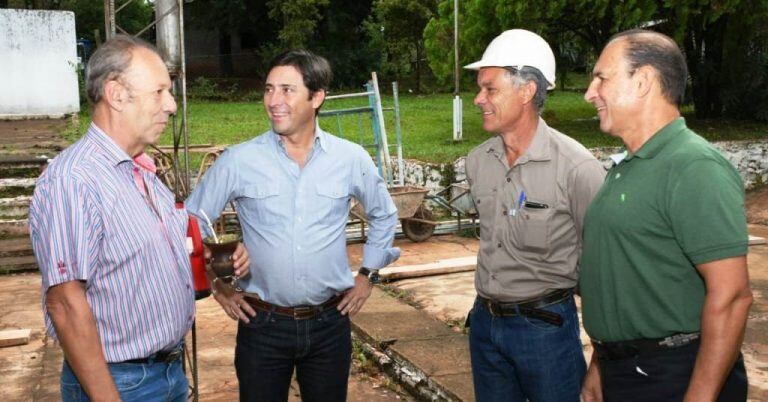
664	283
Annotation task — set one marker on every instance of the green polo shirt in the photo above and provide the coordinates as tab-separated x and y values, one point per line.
674	204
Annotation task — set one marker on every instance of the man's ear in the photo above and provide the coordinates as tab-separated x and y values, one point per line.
528	91
318	98
115	94
645	78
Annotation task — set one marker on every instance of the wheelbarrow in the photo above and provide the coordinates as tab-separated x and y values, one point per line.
416	219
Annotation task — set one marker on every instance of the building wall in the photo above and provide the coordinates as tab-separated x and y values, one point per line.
38	63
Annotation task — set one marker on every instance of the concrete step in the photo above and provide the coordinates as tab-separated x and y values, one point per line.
16	247
14	207
17	264
16	187
48	145
20	170
11	228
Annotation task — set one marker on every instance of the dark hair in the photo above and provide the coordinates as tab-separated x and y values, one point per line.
110	61
649	48
526	74
315	70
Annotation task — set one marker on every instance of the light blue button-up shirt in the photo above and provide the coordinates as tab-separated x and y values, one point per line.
294	220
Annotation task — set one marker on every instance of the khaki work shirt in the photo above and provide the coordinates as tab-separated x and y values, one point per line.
531	214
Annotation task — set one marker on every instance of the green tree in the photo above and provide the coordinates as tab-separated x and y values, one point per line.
396	27
584	24
297	19
725	41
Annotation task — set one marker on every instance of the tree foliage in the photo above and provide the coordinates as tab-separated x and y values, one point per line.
396	28
297	19
724	40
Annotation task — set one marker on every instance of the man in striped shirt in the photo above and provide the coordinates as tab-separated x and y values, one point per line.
110	242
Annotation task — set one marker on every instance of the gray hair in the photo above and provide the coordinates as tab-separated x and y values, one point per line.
109	62
527	74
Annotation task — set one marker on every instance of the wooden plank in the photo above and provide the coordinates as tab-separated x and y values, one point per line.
754	240
418	273
14	337
440	267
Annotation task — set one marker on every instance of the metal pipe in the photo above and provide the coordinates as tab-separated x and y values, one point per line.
342	96
456	46
400	164
183	77
167	21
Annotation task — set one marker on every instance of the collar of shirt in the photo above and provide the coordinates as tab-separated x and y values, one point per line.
658	141
112	152
321	138
538	151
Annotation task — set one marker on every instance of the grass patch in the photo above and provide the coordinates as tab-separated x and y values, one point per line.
426	123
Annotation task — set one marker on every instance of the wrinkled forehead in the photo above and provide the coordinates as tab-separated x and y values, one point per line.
490	75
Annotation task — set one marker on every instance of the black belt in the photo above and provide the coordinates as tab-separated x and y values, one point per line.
167	357
636	347
530	308
298	313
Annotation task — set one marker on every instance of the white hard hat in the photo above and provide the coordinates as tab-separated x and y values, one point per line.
519	48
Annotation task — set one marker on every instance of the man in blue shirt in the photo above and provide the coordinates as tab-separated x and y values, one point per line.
292	187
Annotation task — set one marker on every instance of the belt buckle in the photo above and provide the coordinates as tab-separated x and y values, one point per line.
301	313
494	308
173	356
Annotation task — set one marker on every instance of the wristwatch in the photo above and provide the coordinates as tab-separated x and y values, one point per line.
372	275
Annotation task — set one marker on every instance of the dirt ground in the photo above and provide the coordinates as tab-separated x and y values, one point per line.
757	206
30	372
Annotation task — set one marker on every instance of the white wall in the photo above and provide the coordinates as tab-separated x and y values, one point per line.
38	60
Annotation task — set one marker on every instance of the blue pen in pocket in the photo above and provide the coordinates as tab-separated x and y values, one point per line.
520	202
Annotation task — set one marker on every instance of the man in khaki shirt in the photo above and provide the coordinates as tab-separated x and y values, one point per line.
531	185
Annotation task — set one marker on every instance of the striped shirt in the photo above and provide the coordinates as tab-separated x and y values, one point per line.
89	222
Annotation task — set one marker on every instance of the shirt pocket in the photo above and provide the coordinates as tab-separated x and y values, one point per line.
260	202
536	224
332	203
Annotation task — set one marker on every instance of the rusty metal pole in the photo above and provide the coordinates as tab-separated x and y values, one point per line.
109	19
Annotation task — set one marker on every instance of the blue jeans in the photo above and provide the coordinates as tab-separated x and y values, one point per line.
152	382
520	358
271	346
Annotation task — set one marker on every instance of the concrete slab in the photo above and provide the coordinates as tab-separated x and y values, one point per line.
437	356
384	320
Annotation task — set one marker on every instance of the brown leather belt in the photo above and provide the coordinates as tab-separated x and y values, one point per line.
298	313
530	308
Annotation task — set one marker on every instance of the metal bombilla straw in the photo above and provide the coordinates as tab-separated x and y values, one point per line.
210	225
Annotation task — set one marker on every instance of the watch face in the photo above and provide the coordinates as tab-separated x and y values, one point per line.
374	277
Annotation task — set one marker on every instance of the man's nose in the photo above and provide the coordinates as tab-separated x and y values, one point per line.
169	105
479	99
591	92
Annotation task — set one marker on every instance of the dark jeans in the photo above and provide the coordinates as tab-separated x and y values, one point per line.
154	382
272	345
519	358
663	376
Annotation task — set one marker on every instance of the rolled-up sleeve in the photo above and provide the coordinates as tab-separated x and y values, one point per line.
65	230
371	190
